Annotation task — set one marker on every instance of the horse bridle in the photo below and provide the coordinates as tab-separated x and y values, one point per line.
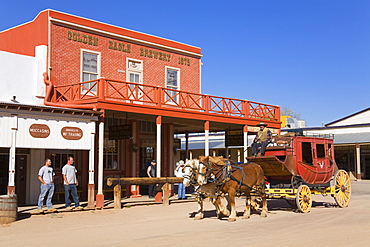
192	176
216	172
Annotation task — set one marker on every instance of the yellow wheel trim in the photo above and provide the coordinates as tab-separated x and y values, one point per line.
304	199
343	189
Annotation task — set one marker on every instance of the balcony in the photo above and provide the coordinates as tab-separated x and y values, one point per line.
118	95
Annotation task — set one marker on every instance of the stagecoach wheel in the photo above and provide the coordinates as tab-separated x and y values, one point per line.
304	199
343	188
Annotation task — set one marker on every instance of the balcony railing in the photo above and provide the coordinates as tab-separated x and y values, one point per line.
165	98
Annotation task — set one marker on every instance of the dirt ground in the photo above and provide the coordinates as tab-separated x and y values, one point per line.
158	225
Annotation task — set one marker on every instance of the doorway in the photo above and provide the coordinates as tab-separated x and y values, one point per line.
146	156
4	166
20	178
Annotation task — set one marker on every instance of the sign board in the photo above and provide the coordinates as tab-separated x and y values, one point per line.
119	132
234	138
71	133
39	130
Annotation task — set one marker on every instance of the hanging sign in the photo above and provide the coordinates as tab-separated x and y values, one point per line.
119	132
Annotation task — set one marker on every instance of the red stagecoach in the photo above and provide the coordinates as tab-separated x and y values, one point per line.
298	166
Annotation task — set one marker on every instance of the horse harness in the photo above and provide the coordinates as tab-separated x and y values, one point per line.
225	174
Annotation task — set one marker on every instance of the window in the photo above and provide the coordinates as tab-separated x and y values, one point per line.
110	154
134	74
320	149
90	70
59	158
306	153
172	82
148	127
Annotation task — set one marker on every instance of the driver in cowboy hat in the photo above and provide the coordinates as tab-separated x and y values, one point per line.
262	139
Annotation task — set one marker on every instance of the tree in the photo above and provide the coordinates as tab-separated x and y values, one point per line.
286	111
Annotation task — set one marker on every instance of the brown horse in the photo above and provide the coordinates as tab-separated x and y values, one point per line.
246	179
203	191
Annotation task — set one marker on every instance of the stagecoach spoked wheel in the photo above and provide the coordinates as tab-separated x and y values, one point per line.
343	189
304	199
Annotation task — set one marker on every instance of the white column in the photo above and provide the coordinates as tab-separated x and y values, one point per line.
358	161
14	128
92	154
11	181
100	163
245	137
206	138
159	144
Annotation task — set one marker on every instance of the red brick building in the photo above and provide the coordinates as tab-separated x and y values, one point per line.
147	89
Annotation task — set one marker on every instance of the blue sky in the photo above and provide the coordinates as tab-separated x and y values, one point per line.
312	56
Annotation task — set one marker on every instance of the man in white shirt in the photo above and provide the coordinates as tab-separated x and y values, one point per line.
46	177
70	184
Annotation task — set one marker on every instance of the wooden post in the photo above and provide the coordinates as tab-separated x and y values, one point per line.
117	196
166	196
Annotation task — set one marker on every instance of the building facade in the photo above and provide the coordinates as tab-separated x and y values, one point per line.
145	88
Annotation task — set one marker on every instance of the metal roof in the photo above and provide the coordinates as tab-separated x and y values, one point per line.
352	138
213	143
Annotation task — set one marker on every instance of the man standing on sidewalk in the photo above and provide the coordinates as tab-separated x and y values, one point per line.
46	177
70	184
152	173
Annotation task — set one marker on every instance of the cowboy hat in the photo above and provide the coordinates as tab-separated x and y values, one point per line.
261	124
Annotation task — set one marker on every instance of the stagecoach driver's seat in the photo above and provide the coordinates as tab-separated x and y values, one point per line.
262	139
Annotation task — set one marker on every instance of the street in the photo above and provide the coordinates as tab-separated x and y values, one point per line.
158	225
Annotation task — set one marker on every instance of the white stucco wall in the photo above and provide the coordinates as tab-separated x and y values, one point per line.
21	76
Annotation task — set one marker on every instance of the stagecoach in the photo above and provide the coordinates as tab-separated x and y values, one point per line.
296	167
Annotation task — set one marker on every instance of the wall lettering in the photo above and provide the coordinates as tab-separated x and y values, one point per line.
83	38
155	54
119	46
184	61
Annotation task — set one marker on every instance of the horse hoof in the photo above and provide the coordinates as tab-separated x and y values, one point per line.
198	218
263	215
245	217
231	219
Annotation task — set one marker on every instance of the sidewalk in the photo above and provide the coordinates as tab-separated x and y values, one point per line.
108	204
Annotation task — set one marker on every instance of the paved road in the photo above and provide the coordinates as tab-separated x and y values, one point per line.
157	225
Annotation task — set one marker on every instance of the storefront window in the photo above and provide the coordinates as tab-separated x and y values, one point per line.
59	158
110	154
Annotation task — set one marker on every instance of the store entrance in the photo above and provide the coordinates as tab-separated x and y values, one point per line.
4	166
20	176
146	156
20	180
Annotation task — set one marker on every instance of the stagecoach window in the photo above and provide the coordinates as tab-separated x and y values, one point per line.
320	149
306	152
